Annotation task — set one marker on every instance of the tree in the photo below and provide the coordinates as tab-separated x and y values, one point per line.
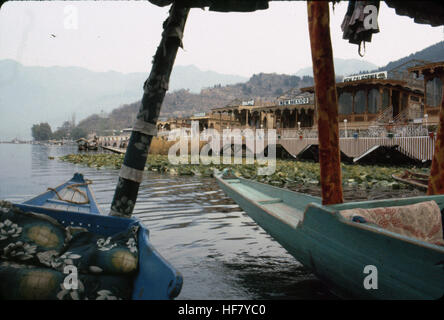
60	134
41	132
63	131
78	133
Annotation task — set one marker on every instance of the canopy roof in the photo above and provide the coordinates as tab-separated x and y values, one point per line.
425	12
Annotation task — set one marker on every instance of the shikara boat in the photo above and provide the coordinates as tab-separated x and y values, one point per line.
336	249
84	144
417	180
74	195
93	145
155	279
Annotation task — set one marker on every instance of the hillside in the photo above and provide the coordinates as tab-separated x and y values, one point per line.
433	53
185	103
265	86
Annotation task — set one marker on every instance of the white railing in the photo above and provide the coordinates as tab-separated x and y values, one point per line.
421	148
375	131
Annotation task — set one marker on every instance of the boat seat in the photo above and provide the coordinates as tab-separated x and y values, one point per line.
422	221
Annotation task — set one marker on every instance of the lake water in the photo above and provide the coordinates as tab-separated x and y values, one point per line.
220	251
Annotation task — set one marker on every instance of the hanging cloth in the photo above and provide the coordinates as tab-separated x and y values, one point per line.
353	27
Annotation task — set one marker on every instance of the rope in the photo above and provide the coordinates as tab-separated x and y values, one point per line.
75	189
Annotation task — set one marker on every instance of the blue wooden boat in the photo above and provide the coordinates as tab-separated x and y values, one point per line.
74	195
156	278
336	249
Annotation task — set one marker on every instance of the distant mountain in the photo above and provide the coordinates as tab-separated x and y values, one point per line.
343	67
52	94
192	78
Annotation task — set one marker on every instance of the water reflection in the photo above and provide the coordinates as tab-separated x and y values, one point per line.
220	251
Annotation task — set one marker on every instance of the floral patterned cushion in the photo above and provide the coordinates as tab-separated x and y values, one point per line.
35	251
27	282
23	235
92	253
421	221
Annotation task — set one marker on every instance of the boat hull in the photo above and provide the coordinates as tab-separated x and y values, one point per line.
156	278
337	251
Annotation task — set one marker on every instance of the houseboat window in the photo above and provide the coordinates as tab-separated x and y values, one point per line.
414	98
434	92
373	100
404	101
345	103
360	101
385	98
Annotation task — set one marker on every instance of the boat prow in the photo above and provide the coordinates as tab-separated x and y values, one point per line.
74	195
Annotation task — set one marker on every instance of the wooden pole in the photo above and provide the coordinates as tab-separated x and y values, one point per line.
144	128
325	89
436	179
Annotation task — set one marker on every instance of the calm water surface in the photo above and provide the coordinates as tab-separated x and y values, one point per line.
220	251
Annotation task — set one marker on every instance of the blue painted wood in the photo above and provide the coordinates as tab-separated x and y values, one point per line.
337	250
49	198
156	278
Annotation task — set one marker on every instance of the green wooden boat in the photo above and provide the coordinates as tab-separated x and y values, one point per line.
337	250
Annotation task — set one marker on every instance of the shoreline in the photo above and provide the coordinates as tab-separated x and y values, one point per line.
360	183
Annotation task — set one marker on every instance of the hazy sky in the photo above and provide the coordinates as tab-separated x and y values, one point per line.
123	36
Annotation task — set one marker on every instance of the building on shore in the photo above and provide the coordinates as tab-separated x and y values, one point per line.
210	120
292	110
119	139
432	88
381	100
364	103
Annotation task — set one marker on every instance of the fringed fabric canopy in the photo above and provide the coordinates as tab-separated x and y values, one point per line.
424	12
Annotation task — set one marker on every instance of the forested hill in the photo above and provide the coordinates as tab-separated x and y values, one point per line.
181	103
264	86
433	53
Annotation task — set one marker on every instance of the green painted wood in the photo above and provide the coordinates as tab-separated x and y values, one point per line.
337	250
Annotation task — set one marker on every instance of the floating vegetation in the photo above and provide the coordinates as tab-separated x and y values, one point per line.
289	173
